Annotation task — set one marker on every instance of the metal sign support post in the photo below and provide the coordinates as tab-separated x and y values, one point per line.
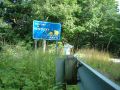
35	44
56	47
44	45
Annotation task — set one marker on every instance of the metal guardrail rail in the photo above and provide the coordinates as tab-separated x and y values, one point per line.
68	72
90	79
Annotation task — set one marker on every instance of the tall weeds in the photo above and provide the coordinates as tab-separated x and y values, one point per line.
100	60
26	70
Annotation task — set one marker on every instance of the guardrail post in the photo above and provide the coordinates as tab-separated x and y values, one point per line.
60	73
71	70
66	71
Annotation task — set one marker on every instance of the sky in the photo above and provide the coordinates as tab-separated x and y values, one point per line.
118	4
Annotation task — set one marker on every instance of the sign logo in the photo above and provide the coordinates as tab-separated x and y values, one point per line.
46	30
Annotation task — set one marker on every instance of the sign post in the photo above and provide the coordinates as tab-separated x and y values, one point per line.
35	44
44	45
56	47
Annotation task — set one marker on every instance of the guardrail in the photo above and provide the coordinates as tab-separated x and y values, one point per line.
91	79
71	71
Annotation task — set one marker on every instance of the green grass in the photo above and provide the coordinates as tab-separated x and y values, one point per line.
100	60
22	69
73	87
34	70
27	70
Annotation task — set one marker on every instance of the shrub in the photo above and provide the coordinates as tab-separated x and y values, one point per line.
34	70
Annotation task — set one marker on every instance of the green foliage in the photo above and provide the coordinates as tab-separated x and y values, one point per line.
85	23
18	17
26	70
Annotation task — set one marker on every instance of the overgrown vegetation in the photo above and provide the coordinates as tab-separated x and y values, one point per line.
85	23
22	69
26	70
100	60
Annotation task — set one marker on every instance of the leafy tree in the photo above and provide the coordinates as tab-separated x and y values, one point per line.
85	23
18	15
96	23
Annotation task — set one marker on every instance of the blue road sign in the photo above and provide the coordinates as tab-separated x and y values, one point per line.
46	30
